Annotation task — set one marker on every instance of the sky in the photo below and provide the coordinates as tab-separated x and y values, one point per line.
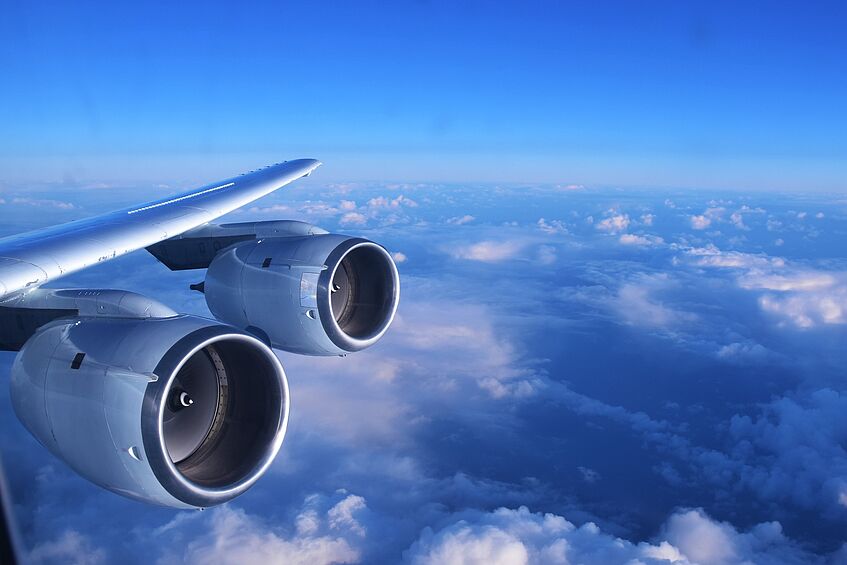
655	94
620	231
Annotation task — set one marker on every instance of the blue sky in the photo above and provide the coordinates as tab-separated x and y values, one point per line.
693	94
620	231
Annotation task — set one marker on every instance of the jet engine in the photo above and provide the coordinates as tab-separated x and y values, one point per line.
177	410
322	294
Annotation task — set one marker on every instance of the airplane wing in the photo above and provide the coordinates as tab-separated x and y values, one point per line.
33	258
172	409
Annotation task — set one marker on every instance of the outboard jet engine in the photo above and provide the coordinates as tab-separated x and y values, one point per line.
323	294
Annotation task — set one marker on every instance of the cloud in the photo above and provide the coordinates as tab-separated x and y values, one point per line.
699	539
773	224
380	210
384	210
546	254
318	209
711	256
399	257
700	222
638	305
804	297
640	240
551	227
647	219
704	220
614	224
738	221
469	346
808	309
342	515
588	475
353	219
796	449
793	281
70	547
737	218
489	251
743	352
44	203
483	361
517	537
461	220
468	363
276	208
395	203
344	187
229	535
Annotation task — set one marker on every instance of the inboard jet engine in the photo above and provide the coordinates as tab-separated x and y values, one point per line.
168	408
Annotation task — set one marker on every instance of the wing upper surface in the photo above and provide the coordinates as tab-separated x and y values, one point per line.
30	259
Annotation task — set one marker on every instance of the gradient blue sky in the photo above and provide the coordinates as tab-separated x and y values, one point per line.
675	94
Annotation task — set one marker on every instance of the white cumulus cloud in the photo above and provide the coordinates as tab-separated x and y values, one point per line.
520	537
70	547
700	222
552	226
640	240
229	535
44	203
488	251
614	224
353	218
461	220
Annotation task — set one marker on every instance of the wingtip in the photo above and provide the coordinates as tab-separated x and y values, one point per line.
310	164
313	164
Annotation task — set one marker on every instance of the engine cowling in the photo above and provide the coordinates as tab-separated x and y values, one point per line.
323	294
178	411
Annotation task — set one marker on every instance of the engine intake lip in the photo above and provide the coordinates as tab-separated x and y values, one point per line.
368	309
258	407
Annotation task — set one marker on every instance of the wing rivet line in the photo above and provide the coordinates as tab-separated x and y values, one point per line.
165	203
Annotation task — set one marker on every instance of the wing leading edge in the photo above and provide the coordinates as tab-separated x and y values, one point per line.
30	259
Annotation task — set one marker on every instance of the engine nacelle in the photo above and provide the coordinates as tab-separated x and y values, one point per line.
320	294
179	411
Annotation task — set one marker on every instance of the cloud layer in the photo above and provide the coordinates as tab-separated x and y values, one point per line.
574	376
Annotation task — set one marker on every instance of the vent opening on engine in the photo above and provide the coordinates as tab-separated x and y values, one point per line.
266	263
77	362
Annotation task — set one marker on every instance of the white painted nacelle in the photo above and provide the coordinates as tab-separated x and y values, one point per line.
174	410
322	294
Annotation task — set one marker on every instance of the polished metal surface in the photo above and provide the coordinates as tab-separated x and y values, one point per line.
96	392
30	259
322	294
